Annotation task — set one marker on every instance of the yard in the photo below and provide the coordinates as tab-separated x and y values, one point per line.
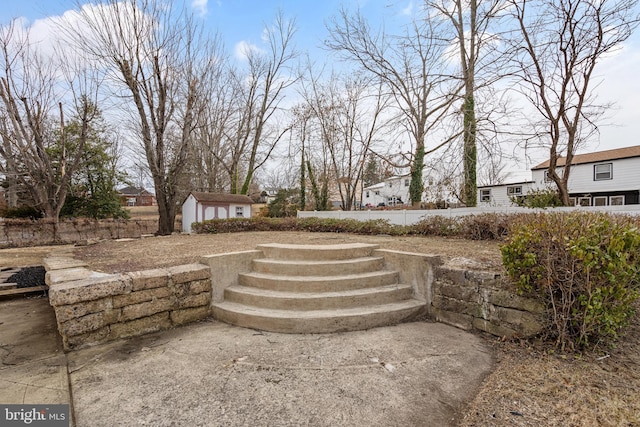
531	385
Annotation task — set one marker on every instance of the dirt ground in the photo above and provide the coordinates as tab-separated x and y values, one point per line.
130	255
531	385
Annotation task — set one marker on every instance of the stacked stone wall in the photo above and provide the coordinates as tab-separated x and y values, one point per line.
482	300
20	232
93	308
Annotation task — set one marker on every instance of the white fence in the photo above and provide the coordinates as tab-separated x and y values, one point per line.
407	217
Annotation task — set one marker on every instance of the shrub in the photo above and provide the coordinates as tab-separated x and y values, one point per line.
436	225
584	266
539	199
297	224
23	212
485	226
478	227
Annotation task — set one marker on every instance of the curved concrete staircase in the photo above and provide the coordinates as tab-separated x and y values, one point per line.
318	289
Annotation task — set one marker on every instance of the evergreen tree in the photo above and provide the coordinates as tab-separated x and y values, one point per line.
92	190
372	174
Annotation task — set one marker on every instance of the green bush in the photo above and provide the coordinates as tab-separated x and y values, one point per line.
539	199
584	266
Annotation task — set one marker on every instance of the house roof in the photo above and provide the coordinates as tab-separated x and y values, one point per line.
506	184
221	198
598	156
374	186
134	191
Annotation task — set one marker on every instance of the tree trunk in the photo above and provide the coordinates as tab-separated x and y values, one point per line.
416	186
470	151
165	219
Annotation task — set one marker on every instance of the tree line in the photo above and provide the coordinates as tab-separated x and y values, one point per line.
146	75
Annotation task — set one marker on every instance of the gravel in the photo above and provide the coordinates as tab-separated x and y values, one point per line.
28	277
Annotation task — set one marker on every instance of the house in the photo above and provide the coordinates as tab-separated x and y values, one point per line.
610	177
199	207
503	194
136	196
393	191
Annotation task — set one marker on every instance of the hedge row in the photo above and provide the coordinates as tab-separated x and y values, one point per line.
475	227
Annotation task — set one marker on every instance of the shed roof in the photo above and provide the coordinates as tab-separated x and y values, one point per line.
598	156
222	198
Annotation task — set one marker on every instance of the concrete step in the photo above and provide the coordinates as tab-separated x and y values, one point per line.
317	268
318	321
276	282
278	300
317	252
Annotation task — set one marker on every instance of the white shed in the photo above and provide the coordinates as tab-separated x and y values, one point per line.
199	207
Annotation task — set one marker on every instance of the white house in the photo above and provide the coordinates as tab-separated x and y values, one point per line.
610	177
502	195
393	191
199	207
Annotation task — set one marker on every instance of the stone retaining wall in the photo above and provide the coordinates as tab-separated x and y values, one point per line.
19	232
480	300
94	307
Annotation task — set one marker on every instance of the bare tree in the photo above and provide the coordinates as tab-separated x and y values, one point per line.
253	129
348	111
155	53
412	67
557	47
32	122
206	171
471	21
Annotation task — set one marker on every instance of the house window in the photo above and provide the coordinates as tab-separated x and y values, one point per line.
366	194
131	201
584	201
377	193
616	200
547	178
516	190
406	182
572	201
603	171
485	195
239	211
600	201
390	184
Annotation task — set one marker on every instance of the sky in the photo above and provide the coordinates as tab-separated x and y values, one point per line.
242	21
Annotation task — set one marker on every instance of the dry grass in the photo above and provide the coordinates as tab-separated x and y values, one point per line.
532	386
162	251
142	212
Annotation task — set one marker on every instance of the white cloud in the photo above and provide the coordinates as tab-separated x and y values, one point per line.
409	9
244	48
200	6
